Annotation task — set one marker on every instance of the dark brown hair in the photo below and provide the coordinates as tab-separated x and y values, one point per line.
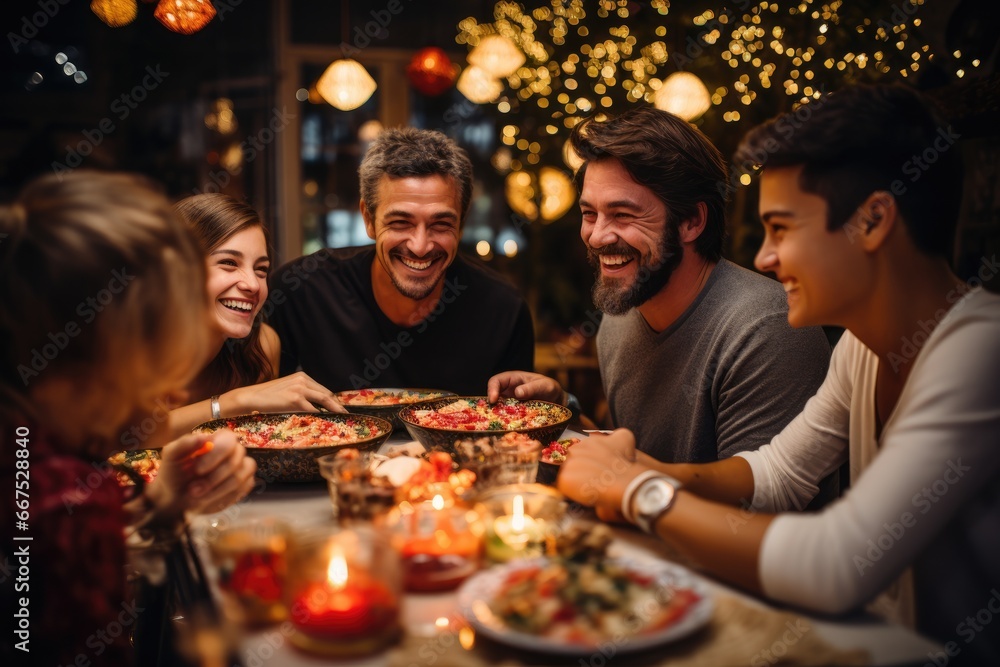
670	157
869	138
215	218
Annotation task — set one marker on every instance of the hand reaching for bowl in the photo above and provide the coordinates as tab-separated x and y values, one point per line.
293	393
524	386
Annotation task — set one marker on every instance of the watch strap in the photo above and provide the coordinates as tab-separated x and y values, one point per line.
647	521
630	492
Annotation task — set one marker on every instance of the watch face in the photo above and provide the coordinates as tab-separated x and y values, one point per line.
654	497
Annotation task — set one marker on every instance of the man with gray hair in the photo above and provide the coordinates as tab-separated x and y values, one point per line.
409	311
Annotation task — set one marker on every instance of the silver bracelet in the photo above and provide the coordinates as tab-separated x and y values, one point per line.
216	408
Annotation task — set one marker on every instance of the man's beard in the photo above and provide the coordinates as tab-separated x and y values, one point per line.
415	290
615	298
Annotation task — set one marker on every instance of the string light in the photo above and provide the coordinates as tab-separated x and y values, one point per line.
587	56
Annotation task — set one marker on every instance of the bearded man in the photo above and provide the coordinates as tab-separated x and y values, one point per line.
696	354
410	310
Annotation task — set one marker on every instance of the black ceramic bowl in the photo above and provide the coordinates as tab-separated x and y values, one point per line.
298	464
353	403
445	438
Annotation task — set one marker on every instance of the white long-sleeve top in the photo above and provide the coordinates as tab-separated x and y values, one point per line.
926	494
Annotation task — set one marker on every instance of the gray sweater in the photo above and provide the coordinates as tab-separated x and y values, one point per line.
726	377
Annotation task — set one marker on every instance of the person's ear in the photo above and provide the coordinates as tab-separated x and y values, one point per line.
690	229
878	216
369	218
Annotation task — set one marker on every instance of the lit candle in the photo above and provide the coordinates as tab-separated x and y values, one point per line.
437	556
346	605
515	535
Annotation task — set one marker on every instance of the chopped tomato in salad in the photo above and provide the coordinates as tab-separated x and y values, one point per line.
146	462
588	603
479	415
383	397
297	431
555	453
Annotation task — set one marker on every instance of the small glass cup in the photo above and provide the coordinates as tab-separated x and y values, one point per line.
512	462
521	521
512	459
439	541
355	493
344	591
250	558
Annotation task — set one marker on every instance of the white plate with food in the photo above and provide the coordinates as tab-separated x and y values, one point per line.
562	607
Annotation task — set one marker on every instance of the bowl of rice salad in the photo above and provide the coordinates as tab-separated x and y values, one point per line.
286	445
440	424
387	402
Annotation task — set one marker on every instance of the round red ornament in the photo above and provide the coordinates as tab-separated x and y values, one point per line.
431	71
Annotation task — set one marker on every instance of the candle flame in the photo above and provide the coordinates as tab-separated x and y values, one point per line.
337	572
438	502
517	519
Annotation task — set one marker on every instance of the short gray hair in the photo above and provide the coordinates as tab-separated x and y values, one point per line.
408	151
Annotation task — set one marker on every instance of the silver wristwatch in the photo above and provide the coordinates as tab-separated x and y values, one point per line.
653	499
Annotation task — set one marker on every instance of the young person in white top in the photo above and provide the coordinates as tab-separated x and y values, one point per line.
911	400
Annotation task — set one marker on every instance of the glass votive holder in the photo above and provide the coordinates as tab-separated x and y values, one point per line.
250	559
511	459
521	521
439	542
356	494
343	592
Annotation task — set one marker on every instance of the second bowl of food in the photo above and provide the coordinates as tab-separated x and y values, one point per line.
440	424
386	403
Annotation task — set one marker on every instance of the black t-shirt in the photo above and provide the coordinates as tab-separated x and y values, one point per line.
324	310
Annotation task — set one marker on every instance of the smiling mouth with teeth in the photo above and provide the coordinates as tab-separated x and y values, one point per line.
616	260
239	306
417	266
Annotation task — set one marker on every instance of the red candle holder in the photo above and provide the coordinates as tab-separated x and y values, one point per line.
250	561
439	542
343	592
